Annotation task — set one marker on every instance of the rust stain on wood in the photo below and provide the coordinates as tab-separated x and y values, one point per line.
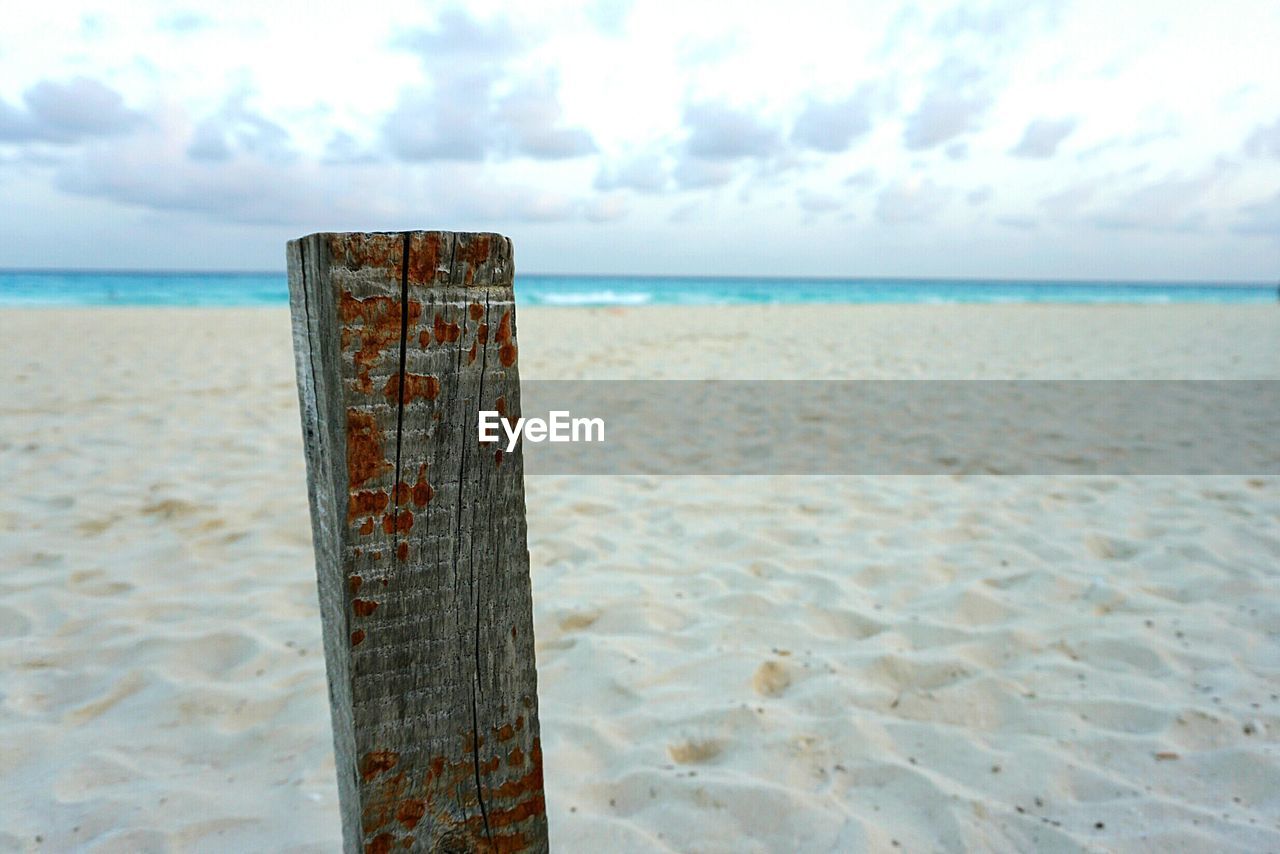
363	607
369	502
365	456
356	251
445	332
357	637
411	812
377	762
475	253
378	328
415	386
399	522
424	259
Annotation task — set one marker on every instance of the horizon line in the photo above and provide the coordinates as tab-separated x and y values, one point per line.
1253	283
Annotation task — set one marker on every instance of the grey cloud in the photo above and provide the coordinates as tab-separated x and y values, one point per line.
956	100
998	25
1022	223
606	208
153	171
1260	218
1066	204
345	149
154	174
957	150
818	203
1264	141
697	51
610	16
719	132
645	173
470	112
863	178
1173	204
1042	137
979	196
449	123
67	112
911	203
832	126
238	128
695	173
457	35
184	22
463	120
532	114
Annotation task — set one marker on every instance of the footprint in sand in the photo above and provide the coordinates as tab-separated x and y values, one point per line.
771	679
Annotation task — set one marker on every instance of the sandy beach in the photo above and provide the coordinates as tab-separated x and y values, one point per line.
725	664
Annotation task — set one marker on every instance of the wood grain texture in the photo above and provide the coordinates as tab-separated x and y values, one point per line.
420	539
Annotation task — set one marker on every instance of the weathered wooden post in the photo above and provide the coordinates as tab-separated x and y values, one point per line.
419	531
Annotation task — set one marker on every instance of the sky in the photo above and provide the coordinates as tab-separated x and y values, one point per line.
1087	139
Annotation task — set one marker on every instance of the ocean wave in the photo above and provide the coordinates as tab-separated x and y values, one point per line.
592	298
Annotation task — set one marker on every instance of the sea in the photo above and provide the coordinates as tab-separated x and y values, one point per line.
107	288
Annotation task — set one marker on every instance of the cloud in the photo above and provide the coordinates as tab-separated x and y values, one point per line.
1264	141
952	106
832	126
343	148
1260	218
610	16
238	128
646	172
911	202
994	21
1020	222
154	171
606	208
1066	204
818	203
696	173
67	112
719	132
476	107
979	196
532	115
457	35
863	178
1042	137
184	22
1172	204
450	123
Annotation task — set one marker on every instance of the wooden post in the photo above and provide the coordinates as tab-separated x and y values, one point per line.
419	531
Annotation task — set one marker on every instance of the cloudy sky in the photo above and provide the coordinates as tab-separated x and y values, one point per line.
1087	139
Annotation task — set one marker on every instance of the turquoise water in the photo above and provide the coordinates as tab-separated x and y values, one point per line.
244	289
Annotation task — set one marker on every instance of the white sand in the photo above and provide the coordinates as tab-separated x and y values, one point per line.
818	664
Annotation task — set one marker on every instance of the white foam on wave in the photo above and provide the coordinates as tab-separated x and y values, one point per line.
594	298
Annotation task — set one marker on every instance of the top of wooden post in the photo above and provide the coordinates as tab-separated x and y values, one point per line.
475	259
